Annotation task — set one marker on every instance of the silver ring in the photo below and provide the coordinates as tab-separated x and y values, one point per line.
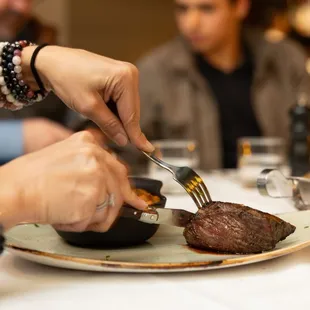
109	202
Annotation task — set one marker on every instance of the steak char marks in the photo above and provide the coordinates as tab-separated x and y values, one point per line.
236	229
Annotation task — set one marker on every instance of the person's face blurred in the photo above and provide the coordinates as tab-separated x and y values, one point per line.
19	7
207	24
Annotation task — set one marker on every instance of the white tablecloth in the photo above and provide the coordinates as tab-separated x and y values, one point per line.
282	283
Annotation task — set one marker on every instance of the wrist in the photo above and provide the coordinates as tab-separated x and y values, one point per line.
10	214
13	207
40	65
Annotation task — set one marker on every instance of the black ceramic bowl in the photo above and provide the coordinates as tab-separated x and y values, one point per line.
125	232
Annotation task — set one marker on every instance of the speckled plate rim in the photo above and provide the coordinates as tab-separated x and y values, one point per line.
135	267
161	267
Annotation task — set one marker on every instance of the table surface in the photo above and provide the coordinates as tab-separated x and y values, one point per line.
282	283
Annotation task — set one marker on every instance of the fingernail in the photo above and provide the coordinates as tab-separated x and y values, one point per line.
150	147
121	139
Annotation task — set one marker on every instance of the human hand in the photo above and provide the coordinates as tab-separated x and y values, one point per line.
86	82
63	184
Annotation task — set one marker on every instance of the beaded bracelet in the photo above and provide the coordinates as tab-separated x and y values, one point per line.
15	93
2	240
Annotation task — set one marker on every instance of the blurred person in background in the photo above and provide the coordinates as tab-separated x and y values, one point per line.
40	125
219	81
17	22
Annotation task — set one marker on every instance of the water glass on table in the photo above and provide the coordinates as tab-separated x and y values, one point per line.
256	154
175	152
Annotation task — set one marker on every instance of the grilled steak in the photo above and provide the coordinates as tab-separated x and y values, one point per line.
237	229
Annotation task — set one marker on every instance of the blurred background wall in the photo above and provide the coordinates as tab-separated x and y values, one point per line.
122	29
55	12
117	28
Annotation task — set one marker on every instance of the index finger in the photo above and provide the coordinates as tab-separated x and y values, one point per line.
128	110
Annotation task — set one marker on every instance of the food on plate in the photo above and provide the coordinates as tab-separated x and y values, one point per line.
147	197
234	228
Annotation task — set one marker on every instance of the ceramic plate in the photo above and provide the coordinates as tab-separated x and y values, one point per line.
166	251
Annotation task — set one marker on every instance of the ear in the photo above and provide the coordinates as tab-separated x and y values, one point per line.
242	8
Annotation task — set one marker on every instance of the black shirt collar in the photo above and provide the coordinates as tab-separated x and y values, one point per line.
204	66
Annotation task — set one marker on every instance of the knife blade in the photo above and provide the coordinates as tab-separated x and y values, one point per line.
153	215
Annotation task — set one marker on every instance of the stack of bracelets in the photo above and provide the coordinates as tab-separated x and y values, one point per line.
14	92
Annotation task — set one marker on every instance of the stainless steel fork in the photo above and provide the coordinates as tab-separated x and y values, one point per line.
188	179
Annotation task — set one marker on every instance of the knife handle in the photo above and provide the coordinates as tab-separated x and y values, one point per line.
131	213
149	216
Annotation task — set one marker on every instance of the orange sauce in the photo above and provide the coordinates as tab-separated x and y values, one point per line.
147	197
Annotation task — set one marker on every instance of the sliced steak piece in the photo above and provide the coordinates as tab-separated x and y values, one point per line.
233	228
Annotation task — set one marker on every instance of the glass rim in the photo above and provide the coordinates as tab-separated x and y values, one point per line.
262	141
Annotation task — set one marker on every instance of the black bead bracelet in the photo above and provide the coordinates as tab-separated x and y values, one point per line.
12	86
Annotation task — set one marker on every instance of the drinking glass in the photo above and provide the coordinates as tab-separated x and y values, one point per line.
256	154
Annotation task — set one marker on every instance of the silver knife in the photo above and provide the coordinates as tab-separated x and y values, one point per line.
153	215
